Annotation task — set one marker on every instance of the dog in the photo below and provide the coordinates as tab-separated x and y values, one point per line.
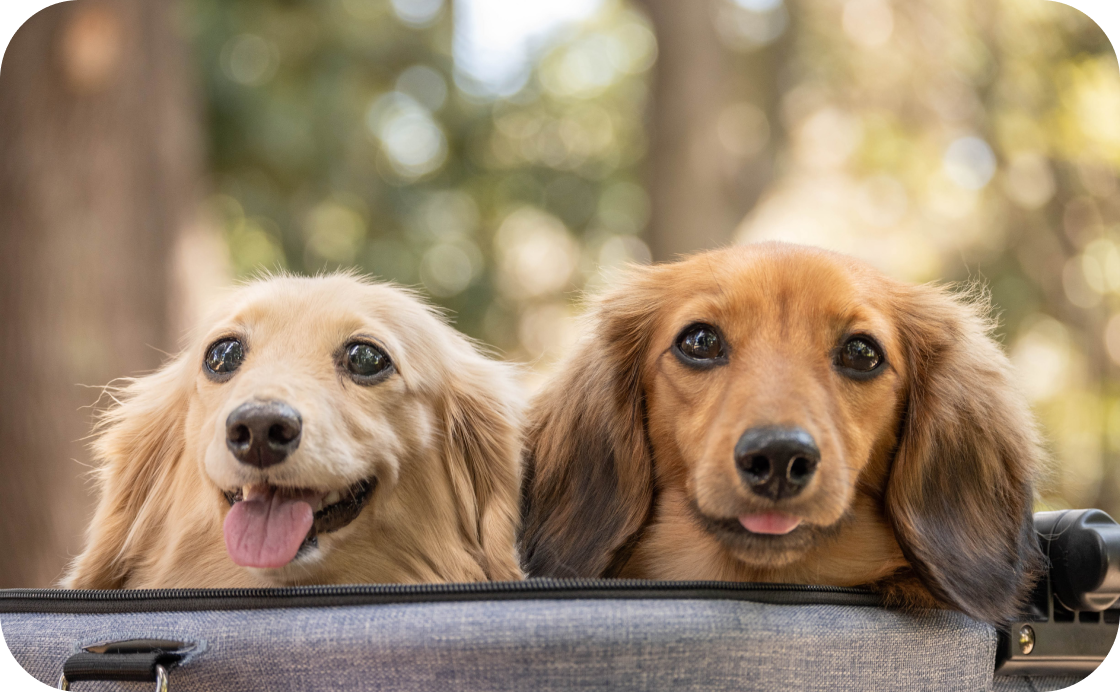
778	413
322	430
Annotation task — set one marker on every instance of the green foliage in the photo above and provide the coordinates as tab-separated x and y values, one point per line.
339	138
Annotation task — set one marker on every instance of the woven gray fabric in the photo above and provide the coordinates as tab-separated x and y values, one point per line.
1040	684
537	645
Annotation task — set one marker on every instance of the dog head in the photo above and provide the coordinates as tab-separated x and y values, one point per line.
769	386
326	429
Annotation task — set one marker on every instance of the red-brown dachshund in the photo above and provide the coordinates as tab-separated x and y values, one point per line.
779	413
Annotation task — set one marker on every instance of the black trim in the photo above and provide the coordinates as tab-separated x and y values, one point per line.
179	600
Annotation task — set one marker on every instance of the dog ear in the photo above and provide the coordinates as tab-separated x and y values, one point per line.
959	494
589	488
136	444
482	418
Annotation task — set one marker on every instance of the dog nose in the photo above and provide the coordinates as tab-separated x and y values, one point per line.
263	433
776	462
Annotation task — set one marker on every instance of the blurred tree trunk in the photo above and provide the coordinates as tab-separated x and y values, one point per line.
700	188
99	163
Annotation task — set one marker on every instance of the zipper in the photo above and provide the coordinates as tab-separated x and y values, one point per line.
155	600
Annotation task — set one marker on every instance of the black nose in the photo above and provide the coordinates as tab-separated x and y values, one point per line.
776	462
263	433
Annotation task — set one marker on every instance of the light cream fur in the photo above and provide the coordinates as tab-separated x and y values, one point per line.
440	435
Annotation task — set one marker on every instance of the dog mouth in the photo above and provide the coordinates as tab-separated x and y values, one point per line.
764	528
770	537
269	526
769	523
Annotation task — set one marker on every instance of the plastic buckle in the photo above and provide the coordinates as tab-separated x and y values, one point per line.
134	660
161	680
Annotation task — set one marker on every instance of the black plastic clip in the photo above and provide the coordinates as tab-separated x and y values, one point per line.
134	660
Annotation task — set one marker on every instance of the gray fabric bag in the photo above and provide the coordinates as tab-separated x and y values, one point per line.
532	635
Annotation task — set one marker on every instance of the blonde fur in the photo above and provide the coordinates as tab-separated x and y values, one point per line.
440	435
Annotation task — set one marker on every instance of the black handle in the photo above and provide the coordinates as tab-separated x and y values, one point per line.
1083	546
1063	630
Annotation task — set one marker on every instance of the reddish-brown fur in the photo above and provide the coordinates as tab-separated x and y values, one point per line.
924	485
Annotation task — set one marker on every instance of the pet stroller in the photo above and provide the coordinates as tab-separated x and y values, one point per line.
544	634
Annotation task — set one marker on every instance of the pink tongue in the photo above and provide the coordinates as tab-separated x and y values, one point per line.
769	522
266	529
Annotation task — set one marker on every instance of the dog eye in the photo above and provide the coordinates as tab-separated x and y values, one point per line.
860	354
225	356
700	342
365	360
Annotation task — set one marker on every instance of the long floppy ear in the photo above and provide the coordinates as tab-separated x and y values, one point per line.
137	443
960	490
588	490
482	417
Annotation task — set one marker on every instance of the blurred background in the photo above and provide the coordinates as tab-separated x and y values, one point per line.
504	156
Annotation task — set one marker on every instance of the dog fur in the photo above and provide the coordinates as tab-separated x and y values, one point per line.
924	485
440	435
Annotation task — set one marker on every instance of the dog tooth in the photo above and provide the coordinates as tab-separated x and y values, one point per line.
331	498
